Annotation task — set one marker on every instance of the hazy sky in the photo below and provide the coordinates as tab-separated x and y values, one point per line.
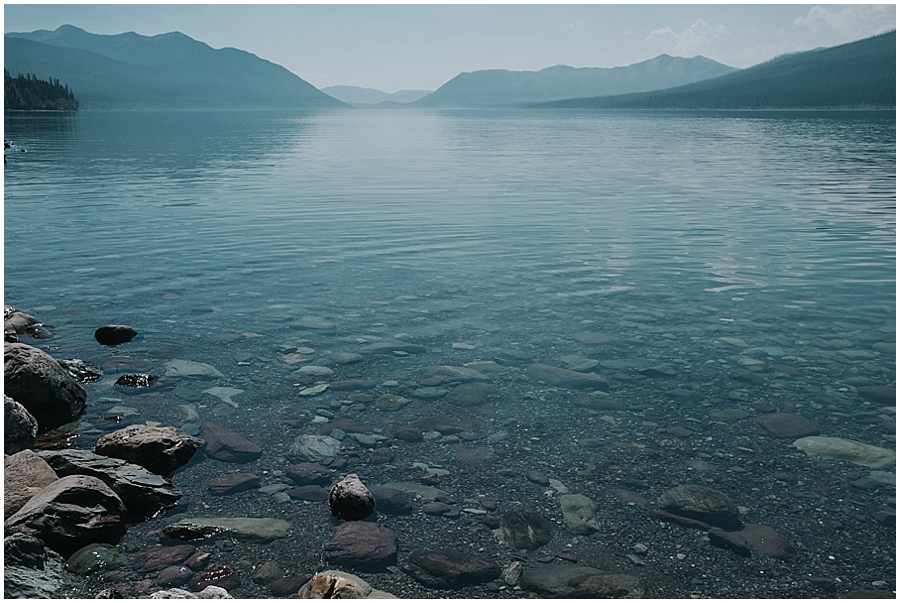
424	45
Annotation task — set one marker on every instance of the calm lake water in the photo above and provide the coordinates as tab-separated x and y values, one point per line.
213	233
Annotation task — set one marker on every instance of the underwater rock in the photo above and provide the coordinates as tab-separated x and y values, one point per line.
315	324
785	426
32	571
333	584
525	530
314	448
305	474
560	377
227	446
701	503
471	394
189	368
245	529
94	558
451	374
156	557
137	381
81	370
578	513
36	381
71	512
843	449
232	483
222	577
19	427
579	582
161	450
114	334
364	545
350	500
449	569
391	501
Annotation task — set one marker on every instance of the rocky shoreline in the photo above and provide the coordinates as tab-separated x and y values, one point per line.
495	472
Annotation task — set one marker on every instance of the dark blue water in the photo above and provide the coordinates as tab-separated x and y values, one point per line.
210	233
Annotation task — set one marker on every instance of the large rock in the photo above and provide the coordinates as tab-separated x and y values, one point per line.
364	545
31	571
189	368
17	321
156	557
70	513
210	592
314	448
19	427
244	529
232	483
24	475
310	474
350	500
579	582
161	450
851	451
449	569
471	394
560	377
228	446
144	493
333	584
114	334
525	530
37	382
391	501
701	503
883	395
786	426
578	512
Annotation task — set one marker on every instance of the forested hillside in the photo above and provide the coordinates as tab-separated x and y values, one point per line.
29	93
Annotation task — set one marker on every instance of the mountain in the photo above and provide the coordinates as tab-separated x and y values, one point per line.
168	71
368	97
860	74
502	87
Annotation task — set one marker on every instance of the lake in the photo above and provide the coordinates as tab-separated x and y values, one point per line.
709	268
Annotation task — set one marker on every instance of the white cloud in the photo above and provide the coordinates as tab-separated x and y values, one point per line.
697	39
856	20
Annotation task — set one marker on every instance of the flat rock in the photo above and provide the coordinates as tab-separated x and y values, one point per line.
311	370
879	394
161	450
189	368
36	381
474	456
114	334
19	427
244	529
306	474
290	585
71	512
471	394
409	434
24	475
560	377
449	569
348	385
843	449
364	545
232	483
156	557
728	414
766	541
225	394
315	324
314	448
785	426
143	492
96	557
579	582
428	393
701	503
390	346
345	357
426	493
525	530
227	446
390	402
391	501
593	338
310	492
451	374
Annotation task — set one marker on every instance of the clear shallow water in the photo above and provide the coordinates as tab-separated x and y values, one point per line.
211	233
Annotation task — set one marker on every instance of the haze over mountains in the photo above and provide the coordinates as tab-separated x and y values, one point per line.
173	71
857	75
501	87
168	71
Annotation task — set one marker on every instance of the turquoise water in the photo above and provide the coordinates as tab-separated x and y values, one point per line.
212	233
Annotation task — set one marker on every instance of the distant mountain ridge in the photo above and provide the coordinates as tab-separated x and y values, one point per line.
167	71
858	75
368	97
497	87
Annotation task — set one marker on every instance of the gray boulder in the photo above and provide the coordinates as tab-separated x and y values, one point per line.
362	544
579	582
31	571
161	450
350	500
71	512
525	530
19	427
24	475
17	321
449	569
144	493
41	385
702	503
560	377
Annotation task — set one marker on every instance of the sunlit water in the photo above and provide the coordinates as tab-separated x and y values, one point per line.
497	229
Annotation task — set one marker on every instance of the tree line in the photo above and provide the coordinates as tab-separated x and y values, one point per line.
29	93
